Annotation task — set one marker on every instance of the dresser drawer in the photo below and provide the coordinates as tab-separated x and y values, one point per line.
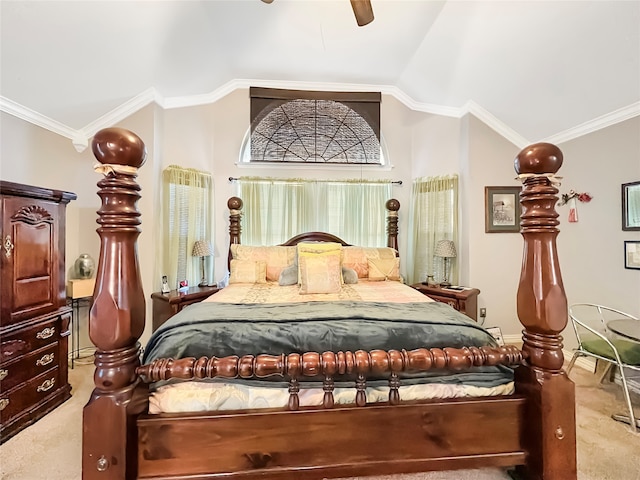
14	402
29	366
25	340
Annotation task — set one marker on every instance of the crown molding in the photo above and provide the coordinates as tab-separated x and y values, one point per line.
492	121
80	138
31	116
123	111
203	99
196	100
617	116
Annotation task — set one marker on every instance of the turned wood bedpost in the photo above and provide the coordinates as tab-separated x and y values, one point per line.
117	317
393	206
549	429
234	204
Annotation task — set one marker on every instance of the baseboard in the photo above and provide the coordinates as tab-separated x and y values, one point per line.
512	339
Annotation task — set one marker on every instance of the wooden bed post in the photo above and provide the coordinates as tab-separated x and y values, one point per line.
549	432
117	317
393	206
234	204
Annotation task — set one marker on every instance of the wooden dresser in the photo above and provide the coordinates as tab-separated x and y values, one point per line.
465	301
34	316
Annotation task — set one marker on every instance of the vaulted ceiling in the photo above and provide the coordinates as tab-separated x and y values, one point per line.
537	69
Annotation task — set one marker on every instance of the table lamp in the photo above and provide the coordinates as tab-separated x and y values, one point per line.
202	248
445	249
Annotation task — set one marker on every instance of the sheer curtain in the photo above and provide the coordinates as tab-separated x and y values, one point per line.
434	217
353	210
273	210
276	210
187	197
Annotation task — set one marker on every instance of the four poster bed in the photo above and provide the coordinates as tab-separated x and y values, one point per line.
362	377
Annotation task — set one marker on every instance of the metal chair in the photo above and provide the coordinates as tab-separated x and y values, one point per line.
589	322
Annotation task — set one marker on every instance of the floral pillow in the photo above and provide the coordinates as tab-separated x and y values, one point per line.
320	274
384	269
248	271
276	257
357	258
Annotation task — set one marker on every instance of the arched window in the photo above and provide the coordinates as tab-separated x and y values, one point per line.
313	127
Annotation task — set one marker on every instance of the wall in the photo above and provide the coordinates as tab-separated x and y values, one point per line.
591	250
209	137
494	258
35	156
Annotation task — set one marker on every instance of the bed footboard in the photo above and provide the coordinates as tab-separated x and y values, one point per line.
341	442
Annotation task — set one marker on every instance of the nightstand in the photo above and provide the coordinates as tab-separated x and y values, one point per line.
166	305
465	301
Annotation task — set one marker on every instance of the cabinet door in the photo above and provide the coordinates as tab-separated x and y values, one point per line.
29	258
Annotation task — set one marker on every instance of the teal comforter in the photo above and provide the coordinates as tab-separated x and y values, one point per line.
223	329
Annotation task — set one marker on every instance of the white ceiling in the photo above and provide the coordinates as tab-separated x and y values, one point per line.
536	68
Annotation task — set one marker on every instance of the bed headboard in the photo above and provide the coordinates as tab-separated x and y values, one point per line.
235	210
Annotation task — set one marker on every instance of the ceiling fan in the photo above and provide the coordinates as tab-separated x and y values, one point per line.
361	9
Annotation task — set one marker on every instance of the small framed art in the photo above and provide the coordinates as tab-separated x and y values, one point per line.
632	254
501	209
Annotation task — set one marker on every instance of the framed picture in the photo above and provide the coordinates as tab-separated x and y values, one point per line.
632	254
501	209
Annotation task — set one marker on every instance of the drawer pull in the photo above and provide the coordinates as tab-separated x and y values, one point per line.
46	385
3	374
46	359
8	246
46	333
3	403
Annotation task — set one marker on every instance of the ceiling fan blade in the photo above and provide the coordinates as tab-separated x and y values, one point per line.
267	1
363	11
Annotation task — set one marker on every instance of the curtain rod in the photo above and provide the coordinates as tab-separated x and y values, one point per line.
395	182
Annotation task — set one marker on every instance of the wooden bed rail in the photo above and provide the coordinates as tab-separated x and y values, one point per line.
328	364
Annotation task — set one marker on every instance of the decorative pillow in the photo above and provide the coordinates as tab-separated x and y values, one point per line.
289	275
349	275
310	249
384	269
319	274
248	271
276	257
357	258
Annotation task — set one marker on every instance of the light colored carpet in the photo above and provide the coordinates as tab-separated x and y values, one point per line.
607	450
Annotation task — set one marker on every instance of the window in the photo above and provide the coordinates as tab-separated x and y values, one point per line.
435	218
291	126
278	209
187	218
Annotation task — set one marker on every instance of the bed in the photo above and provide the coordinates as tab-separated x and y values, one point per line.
347	407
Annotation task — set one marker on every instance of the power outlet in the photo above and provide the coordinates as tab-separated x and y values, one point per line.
483	312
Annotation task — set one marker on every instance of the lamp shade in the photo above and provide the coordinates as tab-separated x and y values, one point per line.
446	249
202	248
